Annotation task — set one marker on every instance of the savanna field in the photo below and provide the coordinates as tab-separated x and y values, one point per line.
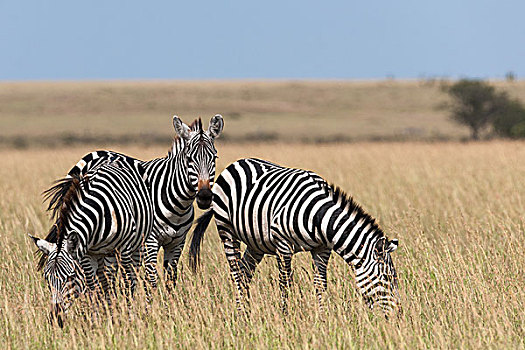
457	209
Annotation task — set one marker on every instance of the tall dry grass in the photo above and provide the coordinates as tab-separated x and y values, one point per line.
458	210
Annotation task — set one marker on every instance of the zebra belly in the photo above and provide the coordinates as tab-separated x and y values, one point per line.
261	242
128	242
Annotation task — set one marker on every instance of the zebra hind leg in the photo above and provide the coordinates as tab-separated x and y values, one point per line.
284	262
130	276
233	255
249	263
320	264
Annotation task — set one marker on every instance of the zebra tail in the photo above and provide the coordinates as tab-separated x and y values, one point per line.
196	240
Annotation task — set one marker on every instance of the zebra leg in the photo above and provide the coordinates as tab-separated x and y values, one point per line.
172	254
152	252
320	262
104	284
233	255
110	272
284	262
130	278
90	267
137	258
250	260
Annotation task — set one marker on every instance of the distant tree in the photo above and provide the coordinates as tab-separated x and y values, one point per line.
510	121
510	76
475	104
518	130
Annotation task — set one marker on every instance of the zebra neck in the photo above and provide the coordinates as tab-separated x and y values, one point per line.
169	178
180	165
177	147
352	234
181	180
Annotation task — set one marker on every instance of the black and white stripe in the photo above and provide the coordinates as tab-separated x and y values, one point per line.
102	214
175	181
282	211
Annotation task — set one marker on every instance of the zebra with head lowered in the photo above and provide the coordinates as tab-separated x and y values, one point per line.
281	211
103	213
185	174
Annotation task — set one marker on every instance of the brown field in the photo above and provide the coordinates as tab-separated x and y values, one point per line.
457	208
67	113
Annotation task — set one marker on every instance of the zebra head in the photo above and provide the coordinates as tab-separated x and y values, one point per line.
200	155
376	276
64	278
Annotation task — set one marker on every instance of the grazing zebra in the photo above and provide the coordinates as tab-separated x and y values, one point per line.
104	213
281	211
185	174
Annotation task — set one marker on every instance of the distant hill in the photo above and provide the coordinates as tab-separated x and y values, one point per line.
116	112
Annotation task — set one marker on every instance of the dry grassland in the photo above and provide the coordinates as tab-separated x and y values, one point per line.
458	210
48	113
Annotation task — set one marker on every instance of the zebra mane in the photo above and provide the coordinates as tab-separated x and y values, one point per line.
61	196
348	204
195	126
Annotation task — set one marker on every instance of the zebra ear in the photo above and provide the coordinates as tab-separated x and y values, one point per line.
43	245
73	245
216	125
182	130
392	245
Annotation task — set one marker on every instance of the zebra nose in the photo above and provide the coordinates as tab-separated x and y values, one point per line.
204	197
56	314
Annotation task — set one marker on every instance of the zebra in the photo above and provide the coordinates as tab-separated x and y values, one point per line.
185	174
280	211
100	215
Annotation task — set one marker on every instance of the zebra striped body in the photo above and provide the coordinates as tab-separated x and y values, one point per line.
174	182
104	213
281	211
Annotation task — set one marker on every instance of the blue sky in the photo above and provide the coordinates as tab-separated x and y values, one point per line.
56	40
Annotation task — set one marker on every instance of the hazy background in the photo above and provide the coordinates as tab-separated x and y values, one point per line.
49	40
114	72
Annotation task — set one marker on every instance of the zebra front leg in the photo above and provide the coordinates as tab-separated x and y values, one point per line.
90	267
105	284
320	262
130	279
233	255
284	262
250	260
110	272
172	255
150	263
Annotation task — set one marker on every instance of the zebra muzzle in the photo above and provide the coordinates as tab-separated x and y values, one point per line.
204	194
204	198
57	314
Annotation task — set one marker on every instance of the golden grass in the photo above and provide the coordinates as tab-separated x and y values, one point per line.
457	209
